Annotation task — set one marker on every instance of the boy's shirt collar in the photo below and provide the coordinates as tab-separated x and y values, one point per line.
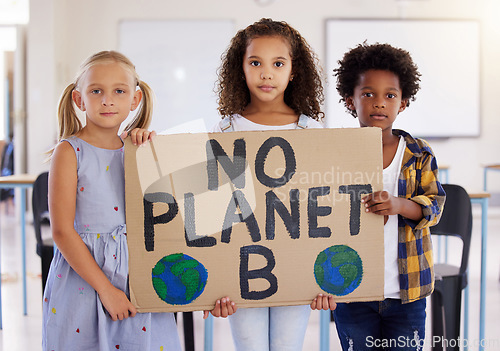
417	146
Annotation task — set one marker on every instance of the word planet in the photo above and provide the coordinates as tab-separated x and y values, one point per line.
179	279
338	270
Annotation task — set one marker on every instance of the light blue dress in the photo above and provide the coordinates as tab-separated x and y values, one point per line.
73	315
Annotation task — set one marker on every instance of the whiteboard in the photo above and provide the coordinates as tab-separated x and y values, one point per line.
179	60
447	55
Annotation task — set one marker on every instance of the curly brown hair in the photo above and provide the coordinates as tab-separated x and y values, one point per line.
304	94
377	56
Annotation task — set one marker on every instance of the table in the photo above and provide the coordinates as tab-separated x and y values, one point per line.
444	174
487	169
209	332
482	199
21	181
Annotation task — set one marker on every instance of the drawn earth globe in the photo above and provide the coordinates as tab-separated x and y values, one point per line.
179	279
338	270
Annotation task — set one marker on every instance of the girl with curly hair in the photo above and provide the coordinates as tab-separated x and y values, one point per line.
270	80
376	83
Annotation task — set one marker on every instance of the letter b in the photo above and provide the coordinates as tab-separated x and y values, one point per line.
263	273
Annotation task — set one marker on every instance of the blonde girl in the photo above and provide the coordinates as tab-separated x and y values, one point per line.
86	301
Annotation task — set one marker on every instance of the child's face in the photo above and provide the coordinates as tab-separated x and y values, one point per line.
377	99
267	65
107	94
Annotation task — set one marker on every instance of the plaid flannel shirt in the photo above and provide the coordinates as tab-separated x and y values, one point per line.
418	182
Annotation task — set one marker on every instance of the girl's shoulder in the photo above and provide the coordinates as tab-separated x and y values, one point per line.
68	144
312	123
224	124
71	140
235	122
64	154
239	122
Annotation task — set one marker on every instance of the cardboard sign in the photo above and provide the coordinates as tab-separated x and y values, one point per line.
268	218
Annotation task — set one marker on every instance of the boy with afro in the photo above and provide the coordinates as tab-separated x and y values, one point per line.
376	83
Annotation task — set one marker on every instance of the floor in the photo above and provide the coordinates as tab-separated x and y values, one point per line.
24	332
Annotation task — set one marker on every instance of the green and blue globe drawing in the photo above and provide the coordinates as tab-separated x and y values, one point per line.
179	279
338	270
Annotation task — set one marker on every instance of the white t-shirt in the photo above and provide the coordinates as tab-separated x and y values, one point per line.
391	180
241	124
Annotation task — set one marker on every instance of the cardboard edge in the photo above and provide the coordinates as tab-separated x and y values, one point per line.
190	308
130	152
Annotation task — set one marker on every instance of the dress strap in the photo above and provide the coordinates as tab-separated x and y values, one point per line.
226	125
302	123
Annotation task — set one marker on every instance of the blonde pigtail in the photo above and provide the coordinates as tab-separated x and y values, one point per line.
69	123
145	114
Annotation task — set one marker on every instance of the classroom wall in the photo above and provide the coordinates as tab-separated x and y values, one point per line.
61	34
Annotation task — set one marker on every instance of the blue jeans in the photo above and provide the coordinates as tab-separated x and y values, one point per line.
381	325
270	328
